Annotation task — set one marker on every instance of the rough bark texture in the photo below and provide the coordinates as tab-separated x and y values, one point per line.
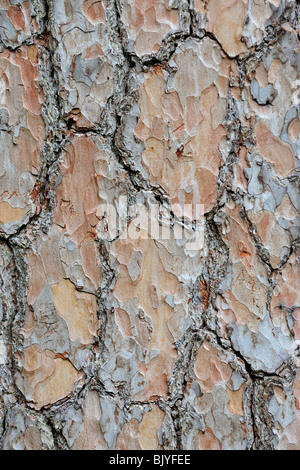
137	343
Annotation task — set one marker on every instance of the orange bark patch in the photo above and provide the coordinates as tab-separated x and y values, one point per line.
94	11
273	149
16	16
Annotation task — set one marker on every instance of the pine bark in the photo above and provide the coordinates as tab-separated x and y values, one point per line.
116	336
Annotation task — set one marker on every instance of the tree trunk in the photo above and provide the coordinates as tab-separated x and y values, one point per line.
149	224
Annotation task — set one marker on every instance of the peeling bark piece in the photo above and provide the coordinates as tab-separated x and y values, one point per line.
149	24
270	123
26	431
263	95
15	19
243	312
209	369
75	308
144	324
86	66
267	350
45	378
216	394
91	435
240	25
246	295
150	425
62	308
285	409
76	213
141	327
208	441
22	135
285	303
225	19
261	16
100	424
275	238
96	424
145	428
272	150
181	123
